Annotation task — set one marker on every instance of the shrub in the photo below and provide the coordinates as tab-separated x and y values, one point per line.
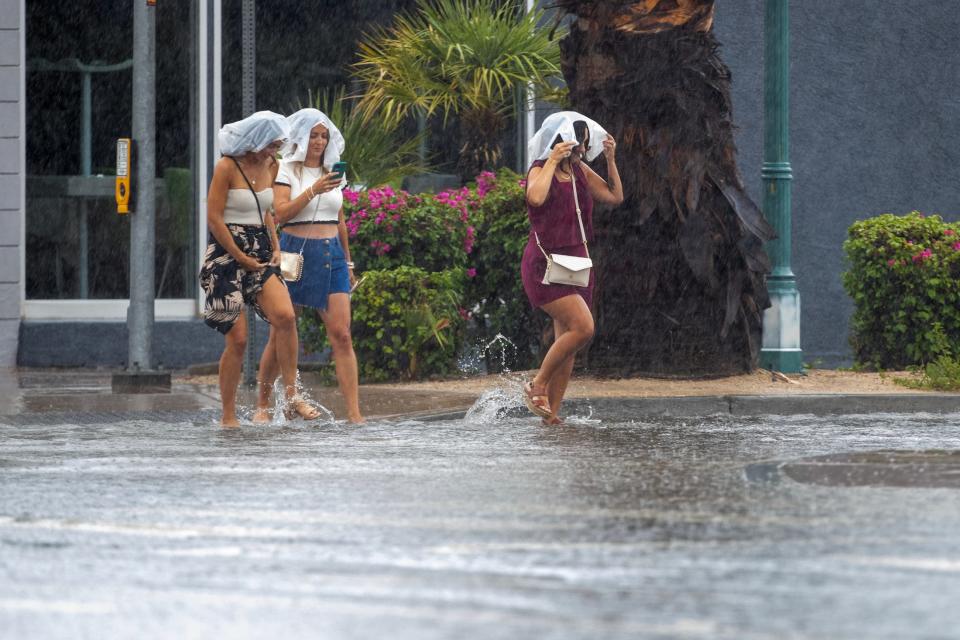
496	292
943	374
903	279
406	324
389	229
465	246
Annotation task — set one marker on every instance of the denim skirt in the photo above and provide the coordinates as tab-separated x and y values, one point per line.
324	270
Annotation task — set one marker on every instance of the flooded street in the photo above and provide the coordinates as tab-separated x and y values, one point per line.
609	527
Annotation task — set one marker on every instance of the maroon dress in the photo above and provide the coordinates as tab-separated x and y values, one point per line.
555	221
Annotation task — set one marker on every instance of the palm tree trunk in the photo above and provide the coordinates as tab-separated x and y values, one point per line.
682	270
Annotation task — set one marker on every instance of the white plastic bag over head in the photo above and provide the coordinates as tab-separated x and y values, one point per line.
561	123
253	133
301	123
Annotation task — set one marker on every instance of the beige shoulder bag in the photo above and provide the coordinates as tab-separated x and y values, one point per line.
562	269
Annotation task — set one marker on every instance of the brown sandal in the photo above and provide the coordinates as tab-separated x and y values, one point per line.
300	408
537	402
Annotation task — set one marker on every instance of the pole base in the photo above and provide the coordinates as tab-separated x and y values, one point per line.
780	350
140	382
782	360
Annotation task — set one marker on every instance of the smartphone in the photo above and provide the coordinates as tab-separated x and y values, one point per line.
339	168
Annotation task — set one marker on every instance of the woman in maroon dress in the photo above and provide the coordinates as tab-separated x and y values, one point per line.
558	147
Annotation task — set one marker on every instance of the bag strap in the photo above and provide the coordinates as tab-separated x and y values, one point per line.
576	204
315	210
250	186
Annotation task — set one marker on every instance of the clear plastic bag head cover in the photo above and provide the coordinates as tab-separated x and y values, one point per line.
301	123
253	133
561	124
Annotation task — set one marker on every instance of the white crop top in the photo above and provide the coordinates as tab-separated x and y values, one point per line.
241	206
324	207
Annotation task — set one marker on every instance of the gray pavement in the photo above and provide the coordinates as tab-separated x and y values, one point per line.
157	524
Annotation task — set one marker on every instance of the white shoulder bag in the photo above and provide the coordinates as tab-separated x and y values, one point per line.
562	269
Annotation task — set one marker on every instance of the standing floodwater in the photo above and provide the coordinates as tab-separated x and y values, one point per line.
474	529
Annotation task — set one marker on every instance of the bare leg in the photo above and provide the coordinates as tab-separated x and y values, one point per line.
235	341
337	321
573	326
276	305
557	386
268	372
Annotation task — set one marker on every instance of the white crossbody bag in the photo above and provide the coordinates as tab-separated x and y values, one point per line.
563	269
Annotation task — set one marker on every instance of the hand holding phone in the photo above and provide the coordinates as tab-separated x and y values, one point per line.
339	168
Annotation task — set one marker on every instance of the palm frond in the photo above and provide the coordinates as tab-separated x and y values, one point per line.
451	55
374	154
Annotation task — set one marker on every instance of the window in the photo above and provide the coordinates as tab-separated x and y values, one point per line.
79	75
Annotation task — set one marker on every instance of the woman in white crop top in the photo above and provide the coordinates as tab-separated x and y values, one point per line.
241	265
309	204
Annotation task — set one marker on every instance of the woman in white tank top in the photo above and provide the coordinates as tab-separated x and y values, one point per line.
309	204
241	265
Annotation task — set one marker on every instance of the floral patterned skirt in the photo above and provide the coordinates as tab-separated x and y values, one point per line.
227	286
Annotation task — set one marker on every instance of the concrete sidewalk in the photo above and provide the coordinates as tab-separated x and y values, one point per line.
85	395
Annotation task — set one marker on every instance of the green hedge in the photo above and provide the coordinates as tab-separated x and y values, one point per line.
904	278
464	246
406	324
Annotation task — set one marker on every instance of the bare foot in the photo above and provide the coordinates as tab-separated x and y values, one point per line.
356	419
230	422
553	421
261	415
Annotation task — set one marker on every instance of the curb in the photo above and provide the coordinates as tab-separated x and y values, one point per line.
814	404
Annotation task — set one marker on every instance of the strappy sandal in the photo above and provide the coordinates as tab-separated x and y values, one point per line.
537	402
300	408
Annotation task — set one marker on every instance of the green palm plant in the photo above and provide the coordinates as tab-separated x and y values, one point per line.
375	157
465	57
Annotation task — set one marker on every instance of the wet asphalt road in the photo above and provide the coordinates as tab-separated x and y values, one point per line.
494	527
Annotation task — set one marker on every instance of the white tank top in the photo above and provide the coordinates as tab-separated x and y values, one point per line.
241	206
324	207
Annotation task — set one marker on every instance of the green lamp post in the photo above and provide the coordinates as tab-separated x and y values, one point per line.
781	322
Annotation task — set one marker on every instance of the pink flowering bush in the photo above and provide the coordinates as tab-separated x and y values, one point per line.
435	263
389	228
904	278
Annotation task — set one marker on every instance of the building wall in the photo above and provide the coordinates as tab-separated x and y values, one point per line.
11	176
875	106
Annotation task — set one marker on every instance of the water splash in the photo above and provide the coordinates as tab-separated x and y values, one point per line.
495	405
476	361
281	405
505	346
